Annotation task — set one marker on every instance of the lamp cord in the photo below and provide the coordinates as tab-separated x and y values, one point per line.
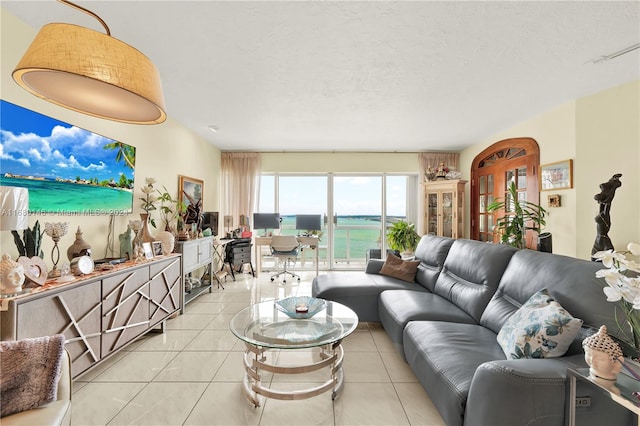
88	12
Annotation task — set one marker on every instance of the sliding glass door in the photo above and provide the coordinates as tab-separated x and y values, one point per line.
356	211
304	195
357	219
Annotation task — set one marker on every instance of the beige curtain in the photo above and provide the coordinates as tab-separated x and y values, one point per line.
432	159
240	177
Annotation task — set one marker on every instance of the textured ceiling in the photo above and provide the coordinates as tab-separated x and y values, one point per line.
365	76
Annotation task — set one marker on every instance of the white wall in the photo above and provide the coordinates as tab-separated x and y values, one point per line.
601	133
608	142
163	151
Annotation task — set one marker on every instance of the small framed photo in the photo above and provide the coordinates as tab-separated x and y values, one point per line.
556	175
157	248
148	251
554	200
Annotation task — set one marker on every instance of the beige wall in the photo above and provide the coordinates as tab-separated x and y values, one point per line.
608	142
339	162
601	133
162	151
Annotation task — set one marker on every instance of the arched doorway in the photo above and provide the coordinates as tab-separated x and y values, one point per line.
515	159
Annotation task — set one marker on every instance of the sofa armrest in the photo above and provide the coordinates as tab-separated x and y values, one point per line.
524	391
374	266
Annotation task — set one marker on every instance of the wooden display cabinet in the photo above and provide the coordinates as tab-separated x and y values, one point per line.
444	208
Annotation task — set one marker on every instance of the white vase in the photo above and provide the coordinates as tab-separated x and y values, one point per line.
145	235
168	240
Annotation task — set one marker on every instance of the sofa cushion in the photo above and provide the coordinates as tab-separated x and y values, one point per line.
395	267
432	252
358	291
541	328
571	281
397	307
471	273
444	357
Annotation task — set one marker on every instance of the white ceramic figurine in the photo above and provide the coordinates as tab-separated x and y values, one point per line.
11	276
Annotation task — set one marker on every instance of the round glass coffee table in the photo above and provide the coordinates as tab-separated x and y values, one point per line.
263	327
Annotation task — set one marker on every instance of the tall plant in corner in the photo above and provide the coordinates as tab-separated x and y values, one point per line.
519	217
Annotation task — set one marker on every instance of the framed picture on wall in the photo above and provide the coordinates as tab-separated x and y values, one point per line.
191	194
556	175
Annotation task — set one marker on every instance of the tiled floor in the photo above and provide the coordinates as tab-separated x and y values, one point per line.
191	374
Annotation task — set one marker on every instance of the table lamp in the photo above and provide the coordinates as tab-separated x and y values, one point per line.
15	208
14	203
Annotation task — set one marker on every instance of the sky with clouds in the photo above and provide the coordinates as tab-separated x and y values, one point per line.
32	144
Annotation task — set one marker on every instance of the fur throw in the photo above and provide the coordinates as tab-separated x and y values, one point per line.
29	372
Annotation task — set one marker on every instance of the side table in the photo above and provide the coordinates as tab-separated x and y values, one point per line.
619	391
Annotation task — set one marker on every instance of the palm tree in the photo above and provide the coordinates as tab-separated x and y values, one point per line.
125	153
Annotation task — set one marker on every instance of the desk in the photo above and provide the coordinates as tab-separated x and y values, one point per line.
266	241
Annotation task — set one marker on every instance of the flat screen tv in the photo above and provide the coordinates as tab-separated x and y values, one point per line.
309	222
67	170
266	221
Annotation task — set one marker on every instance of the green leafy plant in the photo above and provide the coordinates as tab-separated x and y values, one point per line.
403	237
170	208
519	217
29	244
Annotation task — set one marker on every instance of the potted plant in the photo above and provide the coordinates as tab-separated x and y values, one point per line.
403	237
31	241
170	208
519	217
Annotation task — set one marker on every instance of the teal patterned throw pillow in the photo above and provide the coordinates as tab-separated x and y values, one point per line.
541	328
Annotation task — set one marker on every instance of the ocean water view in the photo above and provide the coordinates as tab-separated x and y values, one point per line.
65	198
354	235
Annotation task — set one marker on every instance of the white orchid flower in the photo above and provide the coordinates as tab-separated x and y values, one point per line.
613	294
149	181
634	248
607	257
147	189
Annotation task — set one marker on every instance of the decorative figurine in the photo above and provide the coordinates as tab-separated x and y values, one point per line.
79	248
11	276
603	355
442	171
126	247
603	219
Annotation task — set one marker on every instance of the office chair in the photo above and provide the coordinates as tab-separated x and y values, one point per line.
284	247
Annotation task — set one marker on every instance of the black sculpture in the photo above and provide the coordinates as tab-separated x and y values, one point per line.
603	220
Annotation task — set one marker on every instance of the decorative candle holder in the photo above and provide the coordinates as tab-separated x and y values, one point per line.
56	231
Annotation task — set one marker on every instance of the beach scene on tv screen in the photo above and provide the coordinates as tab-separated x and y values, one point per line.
67	170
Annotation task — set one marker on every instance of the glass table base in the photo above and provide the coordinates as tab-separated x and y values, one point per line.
255	362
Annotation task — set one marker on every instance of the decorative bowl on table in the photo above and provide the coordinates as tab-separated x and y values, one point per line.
301	307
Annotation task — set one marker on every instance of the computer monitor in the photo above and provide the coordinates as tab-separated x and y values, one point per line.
266	221
210	220
309	222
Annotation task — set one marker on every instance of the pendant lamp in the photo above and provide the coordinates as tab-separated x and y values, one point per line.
92	73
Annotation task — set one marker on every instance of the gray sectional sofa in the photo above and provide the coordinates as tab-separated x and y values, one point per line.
445	325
